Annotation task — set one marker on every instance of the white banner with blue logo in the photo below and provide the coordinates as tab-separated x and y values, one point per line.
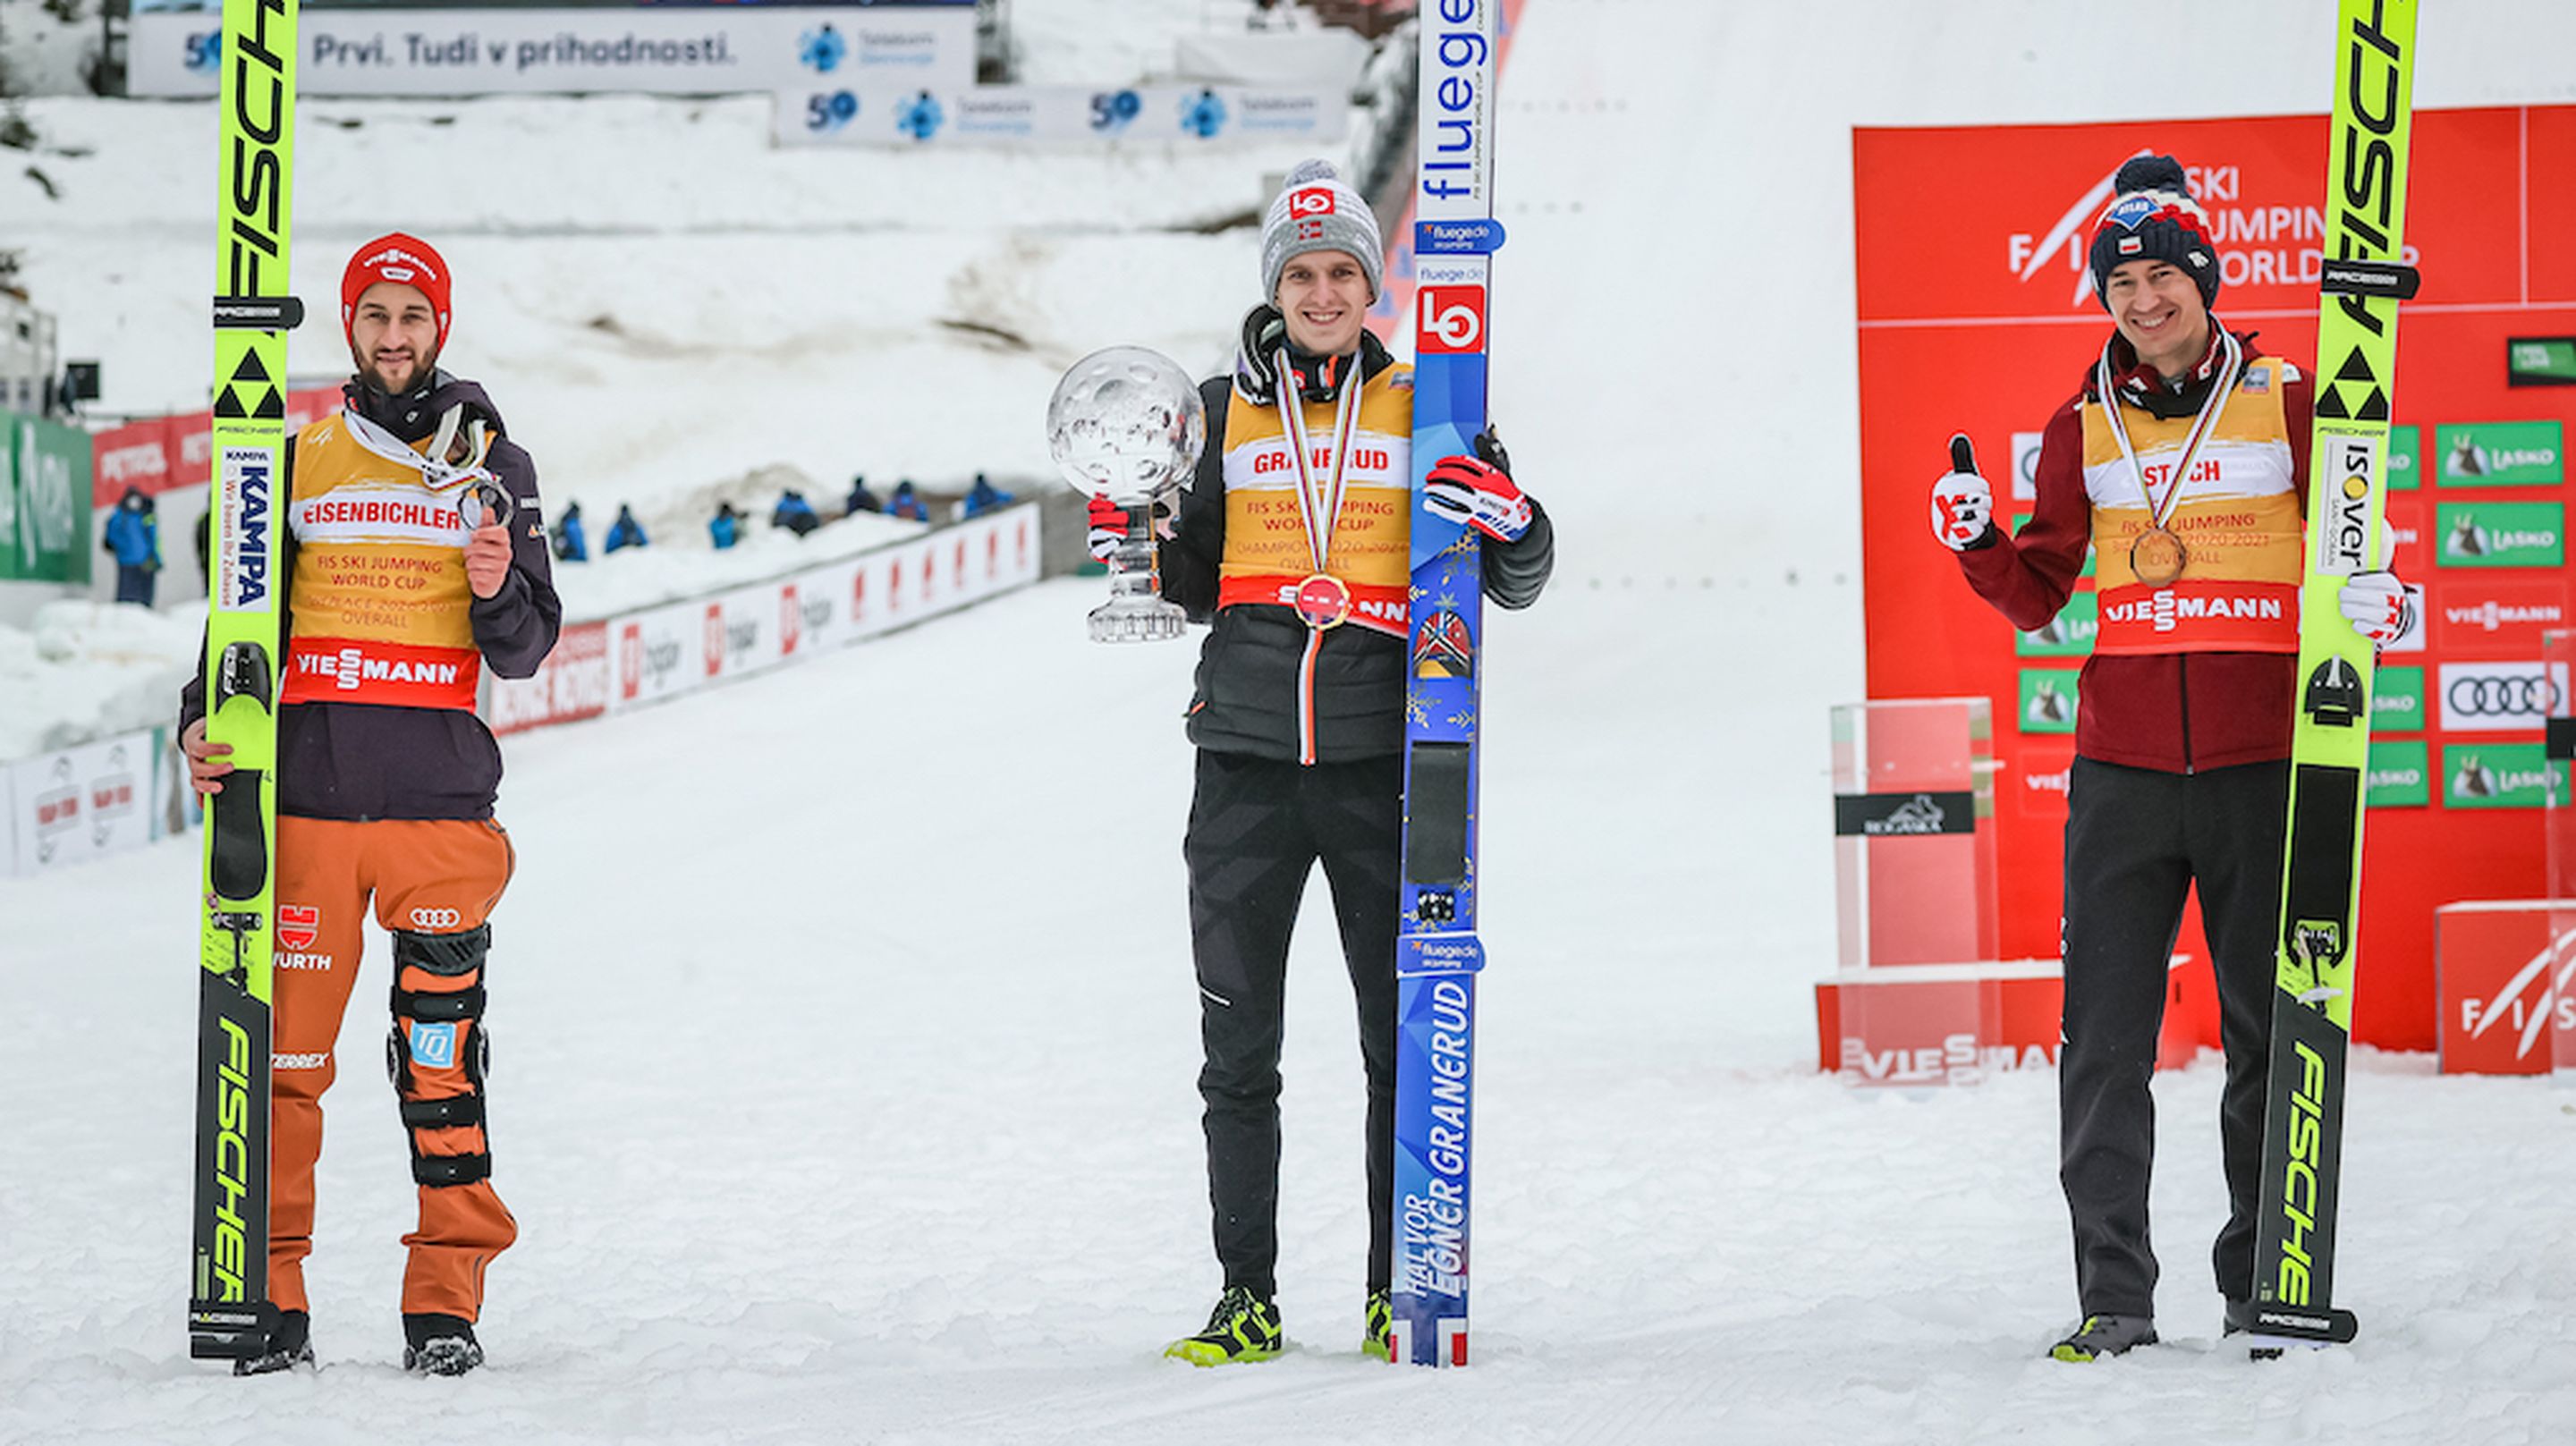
875	114
661	50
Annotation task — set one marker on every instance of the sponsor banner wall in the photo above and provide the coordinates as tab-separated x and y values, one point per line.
742	628
661	50
818	111
85	802
572	684
663	651
158	454
1987	327
657	653
44	531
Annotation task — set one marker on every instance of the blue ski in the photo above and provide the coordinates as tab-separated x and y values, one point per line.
1438	952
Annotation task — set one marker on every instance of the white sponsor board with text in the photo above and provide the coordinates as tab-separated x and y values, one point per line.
675	50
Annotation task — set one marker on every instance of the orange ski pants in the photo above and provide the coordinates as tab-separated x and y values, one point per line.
433	883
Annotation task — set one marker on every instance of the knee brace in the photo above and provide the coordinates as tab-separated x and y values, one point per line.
441	1029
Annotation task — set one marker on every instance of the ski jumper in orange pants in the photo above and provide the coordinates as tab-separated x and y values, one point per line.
386	781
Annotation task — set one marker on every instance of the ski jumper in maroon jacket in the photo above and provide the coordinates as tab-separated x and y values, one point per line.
2180	781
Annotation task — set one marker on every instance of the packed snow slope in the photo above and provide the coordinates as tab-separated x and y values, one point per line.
846	1035
844	1039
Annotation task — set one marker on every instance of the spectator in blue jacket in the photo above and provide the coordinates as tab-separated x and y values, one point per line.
905	504
625	531
861	499
134	536
984	497
571	545
794	513
725	528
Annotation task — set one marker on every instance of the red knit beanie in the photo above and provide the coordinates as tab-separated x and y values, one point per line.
405	260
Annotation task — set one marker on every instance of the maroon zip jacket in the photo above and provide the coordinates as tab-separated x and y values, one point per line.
2173	712
366	761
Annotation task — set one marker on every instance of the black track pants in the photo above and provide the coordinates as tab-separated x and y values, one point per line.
2136	840
1257	826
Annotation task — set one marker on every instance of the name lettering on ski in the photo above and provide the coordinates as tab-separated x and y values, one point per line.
256	201
2370	169
1435	1240
1459	61
232	1160
2299	1191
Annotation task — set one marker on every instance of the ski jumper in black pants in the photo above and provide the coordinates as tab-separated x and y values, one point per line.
1300	733
2181	777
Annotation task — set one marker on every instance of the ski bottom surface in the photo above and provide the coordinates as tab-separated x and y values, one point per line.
2302	1177
1434	1124
229	1314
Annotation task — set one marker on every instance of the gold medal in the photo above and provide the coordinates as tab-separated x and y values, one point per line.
2157	557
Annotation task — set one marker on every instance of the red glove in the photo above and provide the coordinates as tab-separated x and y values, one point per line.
1479	493
1108	528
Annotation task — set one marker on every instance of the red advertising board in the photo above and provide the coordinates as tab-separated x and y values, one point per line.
2503	974
572	684
161	453
1975	315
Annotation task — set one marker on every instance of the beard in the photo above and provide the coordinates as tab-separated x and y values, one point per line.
410	377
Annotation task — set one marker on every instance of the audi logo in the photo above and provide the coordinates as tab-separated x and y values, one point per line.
436	918
2531	696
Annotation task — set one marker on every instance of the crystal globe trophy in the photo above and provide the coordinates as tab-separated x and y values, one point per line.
1127	424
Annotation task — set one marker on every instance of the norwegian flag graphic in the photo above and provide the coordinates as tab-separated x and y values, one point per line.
1444	648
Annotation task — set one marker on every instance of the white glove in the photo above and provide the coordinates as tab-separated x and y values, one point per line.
1963	505
2377	606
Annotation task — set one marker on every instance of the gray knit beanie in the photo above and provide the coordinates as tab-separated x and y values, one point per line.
1318	211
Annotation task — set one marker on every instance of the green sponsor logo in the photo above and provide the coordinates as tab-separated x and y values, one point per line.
2067	635
2047	700
2397	701
2541	361
44	501
2501	775
2401	776
2405	458
2498	454
2023	520
2500	534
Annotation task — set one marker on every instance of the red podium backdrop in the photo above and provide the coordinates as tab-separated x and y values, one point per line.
1975	315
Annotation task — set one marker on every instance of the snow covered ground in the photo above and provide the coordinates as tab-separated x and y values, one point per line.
843	1090
843	1085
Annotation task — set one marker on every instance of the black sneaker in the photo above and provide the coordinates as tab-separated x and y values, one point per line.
1243	1327
439	1345
2105	1335
290	1344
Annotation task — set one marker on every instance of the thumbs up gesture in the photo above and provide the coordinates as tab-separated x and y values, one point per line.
1963	505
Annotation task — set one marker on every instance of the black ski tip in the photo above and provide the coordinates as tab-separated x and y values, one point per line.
1963	453
2305	1326
229	1330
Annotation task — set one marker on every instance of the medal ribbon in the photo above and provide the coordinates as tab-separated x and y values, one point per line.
1319	508
436	473
2212	407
